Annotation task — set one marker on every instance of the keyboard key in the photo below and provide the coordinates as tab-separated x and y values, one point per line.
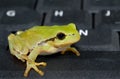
58	4
60	17
108	17
99	39
19	16
95	5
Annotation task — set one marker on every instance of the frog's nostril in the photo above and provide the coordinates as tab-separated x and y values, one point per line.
73	34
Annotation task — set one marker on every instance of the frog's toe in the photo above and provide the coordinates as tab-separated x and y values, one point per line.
27	71
41	63
34	66
38	71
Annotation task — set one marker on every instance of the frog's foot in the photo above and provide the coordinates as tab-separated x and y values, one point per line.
71	49
31	64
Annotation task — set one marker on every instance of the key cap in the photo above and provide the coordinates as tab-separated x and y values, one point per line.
108	17
14	18
96	5
60	17
47	5
99	39
19	16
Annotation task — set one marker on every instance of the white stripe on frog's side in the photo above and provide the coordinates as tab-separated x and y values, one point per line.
49	51
53	50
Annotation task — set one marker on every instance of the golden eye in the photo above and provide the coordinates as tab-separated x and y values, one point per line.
61	36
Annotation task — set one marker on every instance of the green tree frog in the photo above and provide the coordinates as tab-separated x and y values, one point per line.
42	40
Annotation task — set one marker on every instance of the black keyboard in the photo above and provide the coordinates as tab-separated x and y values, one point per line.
98	22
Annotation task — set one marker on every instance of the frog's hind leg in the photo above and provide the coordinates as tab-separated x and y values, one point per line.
74	50
16	47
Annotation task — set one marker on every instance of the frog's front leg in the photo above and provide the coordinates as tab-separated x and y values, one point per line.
74	50
31	64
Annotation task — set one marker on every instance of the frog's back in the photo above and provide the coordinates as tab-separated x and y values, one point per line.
42	33
37	34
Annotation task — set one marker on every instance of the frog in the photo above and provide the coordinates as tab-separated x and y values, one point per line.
42	40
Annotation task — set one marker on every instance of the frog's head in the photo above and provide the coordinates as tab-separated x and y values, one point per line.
66	35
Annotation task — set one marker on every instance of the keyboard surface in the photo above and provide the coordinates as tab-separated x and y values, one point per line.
98	22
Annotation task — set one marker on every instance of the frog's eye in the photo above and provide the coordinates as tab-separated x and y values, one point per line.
61	36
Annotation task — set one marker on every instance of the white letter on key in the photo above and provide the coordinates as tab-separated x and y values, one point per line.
83	32
58	13
11	13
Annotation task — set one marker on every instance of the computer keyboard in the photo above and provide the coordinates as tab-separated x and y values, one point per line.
98	22
93	24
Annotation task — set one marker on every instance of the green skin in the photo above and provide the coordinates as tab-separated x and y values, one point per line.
42	40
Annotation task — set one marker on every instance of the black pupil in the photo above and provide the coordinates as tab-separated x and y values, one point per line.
61	36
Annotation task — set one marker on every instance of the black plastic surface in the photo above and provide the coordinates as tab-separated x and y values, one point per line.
96	5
